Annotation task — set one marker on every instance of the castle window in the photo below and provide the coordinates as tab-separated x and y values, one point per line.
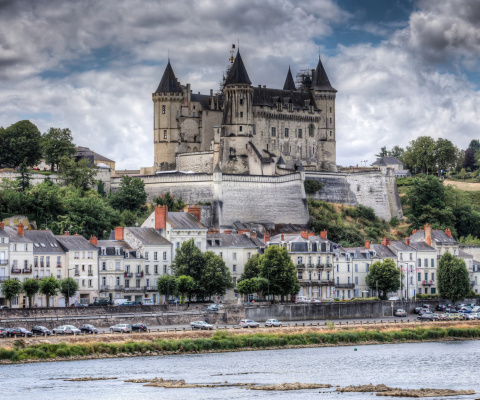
330	133
330	109
241	102
165	134
286	132
311	130
300	133
241	128
241	114
274	131
194	107
163	109
330	120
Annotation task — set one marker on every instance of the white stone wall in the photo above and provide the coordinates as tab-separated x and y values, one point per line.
201	162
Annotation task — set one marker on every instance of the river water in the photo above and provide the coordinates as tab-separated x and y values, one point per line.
443	365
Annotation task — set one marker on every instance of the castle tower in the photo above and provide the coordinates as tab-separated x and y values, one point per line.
289	82
167	101
324	95
237	124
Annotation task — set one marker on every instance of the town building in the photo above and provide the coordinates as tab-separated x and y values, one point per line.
391	163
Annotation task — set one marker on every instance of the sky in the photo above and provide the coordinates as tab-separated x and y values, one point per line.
402	68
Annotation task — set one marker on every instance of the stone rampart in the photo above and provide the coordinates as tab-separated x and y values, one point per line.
201	161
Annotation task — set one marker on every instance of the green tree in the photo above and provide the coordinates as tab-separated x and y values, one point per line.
57	143
396	152
248	286
30	287
168	200
469	161
186	287
452	277
101	188
420	154
24	178
277	266
215	276
462	174
68	288
20	142
130	195
167	285
251	268
386	274
10	289
79	174
188	261
474	145
49	287
445	154
383	152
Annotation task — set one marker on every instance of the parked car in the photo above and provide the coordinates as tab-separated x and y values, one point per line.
424	311
128	303
4	307
124	328
426	317
18	332
303	299
460	306
66	330
104	301
316	301
394	298
272	322
249	323
40	330
212	308
400	313
3	332
471	316
139	328
87	328
201	325
441	307
417	310
465	310
451	310
148	302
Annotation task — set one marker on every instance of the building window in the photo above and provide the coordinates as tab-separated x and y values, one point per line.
234	268
146	255
164	256
221	255
426	276
348	267
76	255
401	256
234	281
419	262
432	290
155	256
165	134
104	266
425	262
234	256
127	283
164	269
117	266
433	276
241	114
241	128
147	272
411	256
241	102
177	245
26	247
163	109
432	263
419	276
356	267
311	131
300	260
286	132
300	134
248	256
274	131
89	283
155	269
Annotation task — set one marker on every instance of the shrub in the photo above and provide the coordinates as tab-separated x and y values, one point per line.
312	186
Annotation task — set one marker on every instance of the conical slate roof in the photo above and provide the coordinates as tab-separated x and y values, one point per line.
281	161
238	72
169	82
217	168
289	83
320	79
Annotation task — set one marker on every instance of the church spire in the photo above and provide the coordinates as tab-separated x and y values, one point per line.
238	72
289	83
320	79
169	82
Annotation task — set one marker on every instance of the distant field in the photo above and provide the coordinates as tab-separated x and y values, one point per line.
467	186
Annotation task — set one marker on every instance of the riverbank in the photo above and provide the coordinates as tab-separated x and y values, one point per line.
21	351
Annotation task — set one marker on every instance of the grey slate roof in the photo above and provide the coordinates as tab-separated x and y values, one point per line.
438	236
280	161
229	240
111	245
382	251
148	236
203	99
421	246
400	245
320	79
462	254
169	82
15	237
238	72
289	83
387	160
75	242
44	242
269	97
85	152
184	220
3	233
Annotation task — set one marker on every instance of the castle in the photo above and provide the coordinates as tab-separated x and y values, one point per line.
245	129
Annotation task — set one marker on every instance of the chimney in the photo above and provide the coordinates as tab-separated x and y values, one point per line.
282	238
323	235
367	244
161	216
195	210
253	235
21	229
119	233
407	240
386	241
66	233
448	232
311	233
2	225
428	234
266	237
93	240
414	231
304	234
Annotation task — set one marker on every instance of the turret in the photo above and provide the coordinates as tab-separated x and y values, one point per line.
289	83
167	101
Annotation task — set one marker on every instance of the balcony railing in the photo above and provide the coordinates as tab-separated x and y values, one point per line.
345	285
128	275
77	273
325	282
27	270
90	273
324	266
427	283
16	270
300	265
104	288
150	289
42	264
3	262
139	274
118	287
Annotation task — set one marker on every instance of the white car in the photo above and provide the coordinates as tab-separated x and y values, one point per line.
124	328
248	323
272	322
201	325
66	330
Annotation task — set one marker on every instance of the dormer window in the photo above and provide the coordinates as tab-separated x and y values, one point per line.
117	251
126	254
103	251
138	254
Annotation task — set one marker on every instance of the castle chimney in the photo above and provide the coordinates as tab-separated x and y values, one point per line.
323	235
195	210
161	216
119	233
304	234
93	240
367	244
21	229
282	238
448	232
407	240
428	233
266	237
